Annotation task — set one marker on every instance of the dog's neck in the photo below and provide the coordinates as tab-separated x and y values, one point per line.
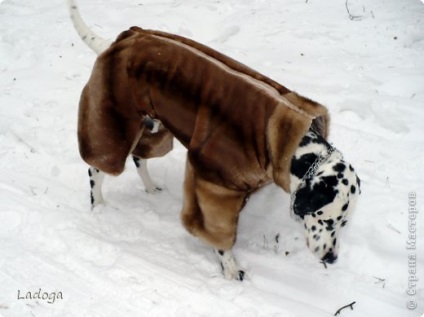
312	148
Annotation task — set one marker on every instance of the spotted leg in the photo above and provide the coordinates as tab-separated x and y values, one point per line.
141	165
229	265
96	180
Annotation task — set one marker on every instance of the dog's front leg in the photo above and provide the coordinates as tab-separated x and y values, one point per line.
211	212
141	165
96	181
229	265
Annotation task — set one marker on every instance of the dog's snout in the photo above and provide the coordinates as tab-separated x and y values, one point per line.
329	257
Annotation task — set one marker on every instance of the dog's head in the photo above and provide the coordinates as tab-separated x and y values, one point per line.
324	205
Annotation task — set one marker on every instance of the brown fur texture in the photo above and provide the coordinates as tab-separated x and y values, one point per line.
241	128
151	145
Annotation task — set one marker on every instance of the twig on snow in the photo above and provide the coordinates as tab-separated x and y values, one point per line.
393	228
277	241
350	305
351	16
33	190
380	280
323	263
265	243
388	182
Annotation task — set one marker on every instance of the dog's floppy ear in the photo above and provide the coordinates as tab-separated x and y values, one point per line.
309	199
108	122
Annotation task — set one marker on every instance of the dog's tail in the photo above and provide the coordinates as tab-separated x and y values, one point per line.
93	41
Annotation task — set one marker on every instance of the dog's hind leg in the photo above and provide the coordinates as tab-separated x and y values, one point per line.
211	212
96	181
141	165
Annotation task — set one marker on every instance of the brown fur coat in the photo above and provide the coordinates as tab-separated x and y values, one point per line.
241	128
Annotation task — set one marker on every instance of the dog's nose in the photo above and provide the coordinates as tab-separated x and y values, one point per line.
330	258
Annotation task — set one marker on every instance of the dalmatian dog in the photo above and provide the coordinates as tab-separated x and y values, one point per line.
324	189
242	130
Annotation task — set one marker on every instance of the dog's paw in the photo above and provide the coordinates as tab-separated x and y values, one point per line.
230	268
237	274
153	189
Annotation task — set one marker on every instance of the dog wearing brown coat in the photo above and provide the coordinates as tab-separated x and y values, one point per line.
241	129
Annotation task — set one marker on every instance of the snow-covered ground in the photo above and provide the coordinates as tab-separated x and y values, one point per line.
132	256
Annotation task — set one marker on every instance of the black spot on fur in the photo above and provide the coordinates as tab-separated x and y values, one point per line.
311	198
352	189
89	172
351	168
92	183
339	167
313	136
324	246
92	198
300	166
316	237
305	141
340	175
313	228
358	181
345	206
316	249
334	242
136	161
319	213
330	224
344	223
221	253
333	234
345	181
339	218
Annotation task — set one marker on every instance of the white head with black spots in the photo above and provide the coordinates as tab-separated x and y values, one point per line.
325	200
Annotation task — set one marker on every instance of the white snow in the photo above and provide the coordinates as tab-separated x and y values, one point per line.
132	256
